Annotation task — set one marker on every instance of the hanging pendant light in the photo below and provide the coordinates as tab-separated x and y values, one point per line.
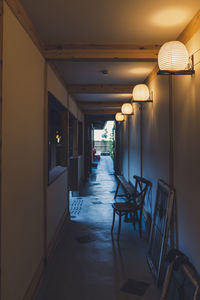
173	56
119	117
127	109
141	92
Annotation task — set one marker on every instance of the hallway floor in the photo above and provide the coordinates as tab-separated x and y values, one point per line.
87	263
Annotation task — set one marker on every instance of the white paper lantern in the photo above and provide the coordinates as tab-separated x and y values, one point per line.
127	109
119	117
141	92
173	56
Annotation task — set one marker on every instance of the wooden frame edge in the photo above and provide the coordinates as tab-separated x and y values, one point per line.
1	104
22	16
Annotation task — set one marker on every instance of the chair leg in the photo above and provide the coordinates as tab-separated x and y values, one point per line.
119	229
133	220
113	222
140	224
117	190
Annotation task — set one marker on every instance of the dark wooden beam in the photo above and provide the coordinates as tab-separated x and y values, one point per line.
101	112
99	89
100	104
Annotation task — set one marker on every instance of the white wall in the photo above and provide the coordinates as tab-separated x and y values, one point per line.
186	97
56	205
56	87
22	159
186	156
22	238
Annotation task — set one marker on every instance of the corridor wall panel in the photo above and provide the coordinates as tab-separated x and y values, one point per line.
186	148
22	159
134	144
125	162
56	87
186	97
156	136
56	207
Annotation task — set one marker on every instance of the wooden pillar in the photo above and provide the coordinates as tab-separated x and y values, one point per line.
65	142
45	160
128	133
141	140
1	71
171	134
75	137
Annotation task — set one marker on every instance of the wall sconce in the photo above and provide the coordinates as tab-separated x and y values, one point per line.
141	94
127	109
119	117
173	59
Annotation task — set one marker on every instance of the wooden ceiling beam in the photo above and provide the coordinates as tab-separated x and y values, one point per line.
100	104
101	112
102	52
99	89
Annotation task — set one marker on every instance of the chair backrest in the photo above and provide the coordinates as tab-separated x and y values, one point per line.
141	188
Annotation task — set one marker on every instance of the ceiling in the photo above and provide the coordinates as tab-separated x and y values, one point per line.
108	22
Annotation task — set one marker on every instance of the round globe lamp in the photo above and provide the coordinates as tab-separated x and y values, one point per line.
127	109
141	92
173	56
119	117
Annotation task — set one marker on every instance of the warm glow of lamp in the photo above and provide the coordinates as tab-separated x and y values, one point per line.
141	92
173	56
119	117
127	109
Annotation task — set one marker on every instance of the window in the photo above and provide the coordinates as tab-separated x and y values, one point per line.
57	138
80	138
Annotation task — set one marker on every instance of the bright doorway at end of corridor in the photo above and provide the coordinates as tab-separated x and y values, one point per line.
104	142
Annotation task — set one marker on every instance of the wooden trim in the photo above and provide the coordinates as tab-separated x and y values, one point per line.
20	13
101	51
99	89
30	293
100	104
45	159
101	112
190	29
141	142
1	99
171	133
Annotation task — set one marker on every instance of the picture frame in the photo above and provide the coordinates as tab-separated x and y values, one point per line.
159	236
182	283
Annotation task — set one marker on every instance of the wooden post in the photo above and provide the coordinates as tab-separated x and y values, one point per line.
1	71
75	137
128	129
141	140
171	135
45	159
171	159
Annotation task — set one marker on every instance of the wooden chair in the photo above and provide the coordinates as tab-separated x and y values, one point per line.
133	206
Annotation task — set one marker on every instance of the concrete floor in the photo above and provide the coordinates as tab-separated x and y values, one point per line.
88	263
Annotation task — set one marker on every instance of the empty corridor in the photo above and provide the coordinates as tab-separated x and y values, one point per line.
87	263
